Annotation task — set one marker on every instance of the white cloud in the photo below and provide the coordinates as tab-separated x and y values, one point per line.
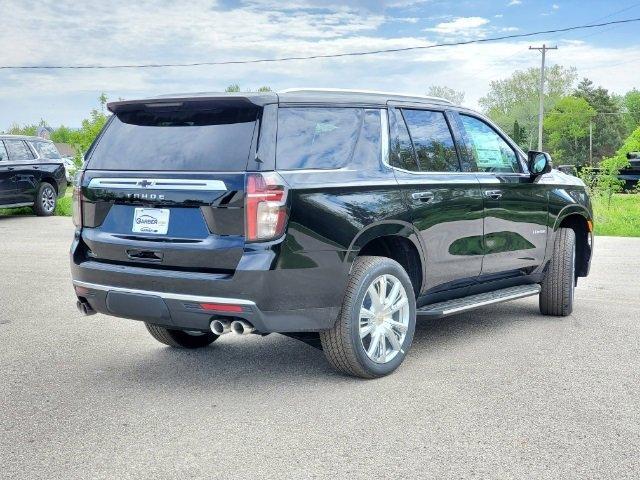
125	32
555	6
514	2
509	29
498	15
468	26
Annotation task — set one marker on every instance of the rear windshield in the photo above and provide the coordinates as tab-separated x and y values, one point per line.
216	139
319	137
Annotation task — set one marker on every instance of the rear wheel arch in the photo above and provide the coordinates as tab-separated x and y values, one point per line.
397	241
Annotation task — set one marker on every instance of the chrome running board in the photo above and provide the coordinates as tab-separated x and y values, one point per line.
459	305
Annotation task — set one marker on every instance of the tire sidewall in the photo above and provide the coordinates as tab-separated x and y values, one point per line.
572	272
386	267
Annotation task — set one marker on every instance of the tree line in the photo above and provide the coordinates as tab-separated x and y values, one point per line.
583	123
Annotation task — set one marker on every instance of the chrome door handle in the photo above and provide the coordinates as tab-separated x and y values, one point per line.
422	196
493	194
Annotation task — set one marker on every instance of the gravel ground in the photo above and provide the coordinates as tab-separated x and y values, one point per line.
501	392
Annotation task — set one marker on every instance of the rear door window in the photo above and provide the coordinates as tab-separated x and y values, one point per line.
403	155
18	150
316	138
432	141
213	139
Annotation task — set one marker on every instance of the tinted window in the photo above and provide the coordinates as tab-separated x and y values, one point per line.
46	150
216	139
368	149
402	155
317	137
487	148
432	141
3	152
18	150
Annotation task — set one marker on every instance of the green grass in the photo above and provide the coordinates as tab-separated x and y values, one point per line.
619	219
63	207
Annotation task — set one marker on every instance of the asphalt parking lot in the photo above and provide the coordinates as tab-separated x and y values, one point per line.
497	393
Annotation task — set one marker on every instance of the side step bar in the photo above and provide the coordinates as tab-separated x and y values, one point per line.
459	305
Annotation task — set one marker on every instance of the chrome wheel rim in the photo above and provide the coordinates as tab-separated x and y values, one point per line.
48	199
384	319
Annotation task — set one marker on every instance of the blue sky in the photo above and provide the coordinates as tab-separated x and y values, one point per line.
90	32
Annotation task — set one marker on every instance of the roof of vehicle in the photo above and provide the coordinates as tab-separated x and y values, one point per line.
301	95
22	137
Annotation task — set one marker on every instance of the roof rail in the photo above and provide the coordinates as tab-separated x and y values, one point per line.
367	92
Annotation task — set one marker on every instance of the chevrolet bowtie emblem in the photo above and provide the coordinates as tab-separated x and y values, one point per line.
144	183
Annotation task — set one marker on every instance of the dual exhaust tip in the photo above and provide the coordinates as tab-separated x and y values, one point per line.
239	327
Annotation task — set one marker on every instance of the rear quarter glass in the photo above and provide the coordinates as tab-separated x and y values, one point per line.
215	139
317	137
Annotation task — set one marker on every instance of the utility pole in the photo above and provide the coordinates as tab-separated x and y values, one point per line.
590	143
542	49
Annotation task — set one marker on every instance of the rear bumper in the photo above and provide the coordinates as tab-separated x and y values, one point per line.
266	293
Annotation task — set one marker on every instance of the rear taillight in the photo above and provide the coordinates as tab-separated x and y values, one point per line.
77	203
265	206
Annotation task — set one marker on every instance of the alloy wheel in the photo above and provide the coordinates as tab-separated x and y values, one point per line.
48	199
384	318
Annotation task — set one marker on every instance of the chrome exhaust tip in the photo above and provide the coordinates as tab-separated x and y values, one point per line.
240	327
220	327
84	308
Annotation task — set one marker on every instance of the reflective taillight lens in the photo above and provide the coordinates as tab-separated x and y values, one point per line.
77	205
265	207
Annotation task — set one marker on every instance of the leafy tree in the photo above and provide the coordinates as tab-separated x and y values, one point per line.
63	134
567	125
608	126
82	138
454	96
517	98
519	134
30	130
235	88
606	181
631	103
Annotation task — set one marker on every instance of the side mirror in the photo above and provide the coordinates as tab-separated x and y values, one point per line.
539	163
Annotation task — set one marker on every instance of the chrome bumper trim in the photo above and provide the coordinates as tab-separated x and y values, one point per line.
166	295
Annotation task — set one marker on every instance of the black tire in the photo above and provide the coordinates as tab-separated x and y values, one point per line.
342	344
180	338
46	199
556	296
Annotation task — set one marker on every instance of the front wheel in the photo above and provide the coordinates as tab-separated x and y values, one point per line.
556	295
375	327
45	202
181	338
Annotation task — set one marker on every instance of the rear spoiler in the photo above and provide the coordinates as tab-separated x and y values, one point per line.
239	100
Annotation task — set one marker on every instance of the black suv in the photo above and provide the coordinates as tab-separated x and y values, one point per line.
335	217
31	174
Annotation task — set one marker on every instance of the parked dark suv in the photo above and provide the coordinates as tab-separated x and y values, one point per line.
334	217
31	174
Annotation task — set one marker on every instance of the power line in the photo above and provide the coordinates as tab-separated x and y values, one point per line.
519	53
318	56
